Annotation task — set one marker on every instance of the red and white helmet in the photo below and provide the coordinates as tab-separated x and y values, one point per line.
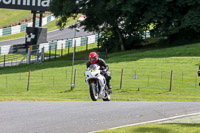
93	57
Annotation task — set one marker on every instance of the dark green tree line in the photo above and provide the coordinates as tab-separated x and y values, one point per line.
123	21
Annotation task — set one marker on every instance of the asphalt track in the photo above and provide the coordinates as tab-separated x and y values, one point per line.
66	33
83	117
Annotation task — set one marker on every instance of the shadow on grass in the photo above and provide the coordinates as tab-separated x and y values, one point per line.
152	130
189	50
168	128
184	124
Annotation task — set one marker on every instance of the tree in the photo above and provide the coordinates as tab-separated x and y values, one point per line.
123	22
101	15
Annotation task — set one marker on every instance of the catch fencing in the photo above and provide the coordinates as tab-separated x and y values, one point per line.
59	80
45	51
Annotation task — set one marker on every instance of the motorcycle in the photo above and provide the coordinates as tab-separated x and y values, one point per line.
97	83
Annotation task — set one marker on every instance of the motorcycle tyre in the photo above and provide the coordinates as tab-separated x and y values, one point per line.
92	89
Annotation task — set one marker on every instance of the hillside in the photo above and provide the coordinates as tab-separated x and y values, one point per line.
51	80
14	17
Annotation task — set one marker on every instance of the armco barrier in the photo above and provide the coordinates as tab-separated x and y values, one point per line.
15	29
1	32
22	28
6	31
60	44
84	40
56	45
68	43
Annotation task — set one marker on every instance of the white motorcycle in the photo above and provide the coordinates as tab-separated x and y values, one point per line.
97	83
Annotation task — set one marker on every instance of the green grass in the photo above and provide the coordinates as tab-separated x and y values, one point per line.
51	26
158	128
13	16
51	80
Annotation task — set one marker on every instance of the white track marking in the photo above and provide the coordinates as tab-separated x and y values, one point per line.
153	121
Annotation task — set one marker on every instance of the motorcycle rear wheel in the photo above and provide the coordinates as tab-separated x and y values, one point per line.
93	93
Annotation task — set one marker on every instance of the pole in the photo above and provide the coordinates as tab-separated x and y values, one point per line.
4	62
86	43
73	59
42	55
29	56
55	51
171	80
49	52
68	47
75	78
41	14
38	56
62	50
34	17
6	82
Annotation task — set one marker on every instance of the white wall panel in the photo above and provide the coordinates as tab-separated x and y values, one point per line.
15	29
91	39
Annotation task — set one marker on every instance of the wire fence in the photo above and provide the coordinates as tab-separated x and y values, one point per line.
59	80
16	59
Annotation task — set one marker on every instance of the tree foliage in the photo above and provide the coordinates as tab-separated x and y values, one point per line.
123	21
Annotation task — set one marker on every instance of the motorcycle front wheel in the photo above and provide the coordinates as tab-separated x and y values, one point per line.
93	92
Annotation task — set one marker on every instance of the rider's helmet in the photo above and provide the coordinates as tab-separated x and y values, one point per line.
93	57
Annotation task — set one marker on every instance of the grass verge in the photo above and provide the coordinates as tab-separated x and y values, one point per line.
51	26
51	80
158	128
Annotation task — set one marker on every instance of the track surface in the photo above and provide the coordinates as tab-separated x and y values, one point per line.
83	117
54	35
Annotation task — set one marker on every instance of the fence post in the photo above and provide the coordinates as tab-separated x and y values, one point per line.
38	56
49	52
55	51
122	75
68	48
86	43
29	56
29	78
75	78
42	55
6	82
171	80
4	64
62	50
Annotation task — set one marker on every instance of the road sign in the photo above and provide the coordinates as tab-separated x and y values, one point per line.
34	5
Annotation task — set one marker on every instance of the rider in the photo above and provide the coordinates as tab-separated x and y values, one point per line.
93	59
